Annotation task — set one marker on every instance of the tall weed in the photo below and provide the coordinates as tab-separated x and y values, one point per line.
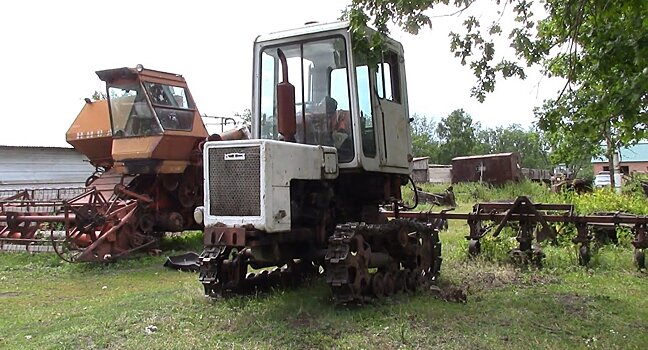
606	200
600	200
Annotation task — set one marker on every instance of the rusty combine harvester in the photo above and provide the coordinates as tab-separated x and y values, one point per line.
535	223
144	142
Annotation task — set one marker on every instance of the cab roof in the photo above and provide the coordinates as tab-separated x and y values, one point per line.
307	29
110	75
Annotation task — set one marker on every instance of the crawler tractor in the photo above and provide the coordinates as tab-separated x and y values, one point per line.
331	142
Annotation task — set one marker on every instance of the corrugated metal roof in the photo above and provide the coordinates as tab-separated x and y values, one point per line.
484	156
633	154
44	147
42	167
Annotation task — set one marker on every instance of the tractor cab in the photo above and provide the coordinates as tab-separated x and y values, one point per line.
340	98
154	120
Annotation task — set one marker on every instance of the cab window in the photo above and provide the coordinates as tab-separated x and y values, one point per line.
318	71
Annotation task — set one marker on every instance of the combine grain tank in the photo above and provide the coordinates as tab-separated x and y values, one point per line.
91	135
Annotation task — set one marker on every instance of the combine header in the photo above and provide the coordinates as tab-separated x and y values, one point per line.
24	214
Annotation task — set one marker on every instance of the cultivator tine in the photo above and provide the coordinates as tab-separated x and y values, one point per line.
534	224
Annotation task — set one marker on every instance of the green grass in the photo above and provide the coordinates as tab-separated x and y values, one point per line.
46	303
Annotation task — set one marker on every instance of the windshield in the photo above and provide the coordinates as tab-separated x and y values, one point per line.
318	70
167	95
130	113
172	105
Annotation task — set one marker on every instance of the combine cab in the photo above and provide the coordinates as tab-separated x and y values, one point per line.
144	142
155	125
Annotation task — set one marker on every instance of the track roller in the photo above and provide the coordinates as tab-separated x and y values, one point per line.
405	254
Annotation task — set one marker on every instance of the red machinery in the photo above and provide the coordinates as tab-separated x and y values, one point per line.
144	141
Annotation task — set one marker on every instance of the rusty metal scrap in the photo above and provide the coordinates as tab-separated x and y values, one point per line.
446	198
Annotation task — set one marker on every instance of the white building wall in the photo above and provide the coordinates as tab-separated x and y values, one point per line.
440	174
42	167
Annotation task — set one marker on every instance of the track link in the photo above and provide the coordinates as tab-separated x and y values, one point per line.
224	271
368	261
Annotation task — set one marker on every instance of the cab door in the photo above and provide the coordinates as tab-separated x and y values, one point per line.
390	103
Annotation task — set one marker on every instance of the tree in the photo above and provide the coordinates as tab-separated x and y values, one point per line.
245	116
571	150
599	47
424	143
530	144
99	95
456	134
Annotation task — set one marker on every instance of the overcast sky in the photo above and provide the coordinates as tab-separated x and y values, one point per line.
51	49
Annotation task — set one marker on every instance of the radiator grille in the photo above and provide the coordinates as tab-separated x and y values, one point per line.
235	185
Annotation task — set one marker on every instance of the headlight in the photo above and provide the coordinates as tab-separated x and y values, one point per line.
199	215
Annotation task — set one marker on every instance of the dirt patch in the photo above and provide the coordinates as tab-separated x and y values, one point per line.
450	292
9	294
573	304
474	278
482	277
302	320
478	281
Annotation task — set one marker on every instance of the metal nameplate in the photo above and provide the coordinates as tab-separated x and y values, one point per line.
234	156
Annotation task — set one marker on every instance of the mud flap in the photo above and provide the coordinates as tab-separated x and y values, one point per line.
184	262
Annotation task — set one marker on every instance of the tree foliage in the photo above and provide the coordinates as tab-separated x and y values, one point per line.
99	95
457	135
245	116
600	48
424	142
530	144
572	150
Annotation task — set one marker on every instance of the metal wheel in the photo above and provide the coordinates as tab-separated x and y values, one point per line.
389	283
584	255
474	247
400	283
65	247
412	281
640	258
519	257
537	256
377	285
444	225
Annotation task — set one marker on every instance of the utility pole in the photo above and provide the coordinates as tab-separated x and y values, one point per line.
610	152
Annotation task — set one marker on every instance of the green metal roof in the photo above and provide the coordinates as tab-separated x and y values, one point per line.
636	153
